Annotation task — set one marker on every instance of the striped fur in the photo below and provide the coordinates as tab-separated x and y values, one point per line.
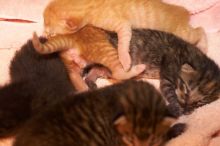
166	56
89	118
68	16
87	43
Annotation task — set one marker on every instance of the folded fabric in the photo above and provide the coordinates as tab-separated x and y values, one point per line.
201	125
205	13
194	6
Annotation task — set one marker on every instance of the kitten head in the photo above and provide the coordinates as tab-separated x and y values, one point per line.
193	90
144	120
155	137
62	18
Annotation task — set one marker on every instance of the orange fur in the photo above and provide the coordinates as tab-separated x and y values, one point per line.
86	43
67	16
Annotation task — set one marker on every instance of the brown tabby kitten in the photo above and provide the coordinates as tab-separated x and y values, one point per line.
131	110
120	16
174	59
86	43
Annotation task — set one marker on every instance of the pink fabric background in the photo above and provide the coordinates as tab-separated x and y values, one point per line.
13	35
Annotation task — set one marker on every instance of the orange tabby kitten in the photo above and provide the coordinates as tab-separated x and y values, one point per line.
68	16
83	47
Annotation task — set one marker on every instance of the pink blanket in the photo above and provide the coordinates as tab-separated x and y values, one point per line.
205	13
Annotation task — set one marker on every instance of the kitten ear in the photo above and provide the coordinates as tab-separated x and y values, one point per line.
186	68
187	72
72	24
124	128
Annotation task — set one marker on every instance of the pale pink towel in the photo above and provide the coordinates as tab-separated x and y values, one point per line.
194	6
201	125
209	19
12	35
205	13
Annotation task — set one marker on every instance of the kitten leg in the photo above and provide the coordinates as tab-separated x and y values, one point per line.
74	55
196	36
55	44
168	78
124	33
77	81
124	36
168	90
202	42
40	48
74	70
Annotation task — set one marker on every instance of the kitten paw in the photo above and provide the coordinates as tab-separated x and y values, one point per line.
175	110
175	130
76	57
202	42
138	68
121	74
125	60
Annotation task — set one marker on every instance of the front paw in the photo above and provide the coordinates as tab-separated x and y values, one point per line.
175	110
175	130
125	60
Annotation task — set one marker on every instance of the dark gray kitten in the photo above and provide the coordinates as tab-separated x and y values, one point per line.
182	68
36	82
133	110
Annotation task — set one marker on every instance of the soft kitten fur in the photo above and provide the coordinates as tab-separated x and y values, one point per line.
134	108
68	16
177	62
36	82
86	43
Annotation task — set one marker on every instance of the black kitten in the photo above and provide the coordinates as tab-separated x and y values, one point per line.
133	109
171	59
36	81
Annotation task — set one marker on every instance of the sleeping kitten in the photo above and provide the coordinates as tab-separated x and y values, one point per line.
86	44
131	110
170	58
68	16
36	82
196	91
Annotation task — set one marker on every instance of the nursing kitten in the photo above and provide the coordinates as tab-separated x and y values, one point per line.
86	44
172	59
36	82
131	110
68	16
